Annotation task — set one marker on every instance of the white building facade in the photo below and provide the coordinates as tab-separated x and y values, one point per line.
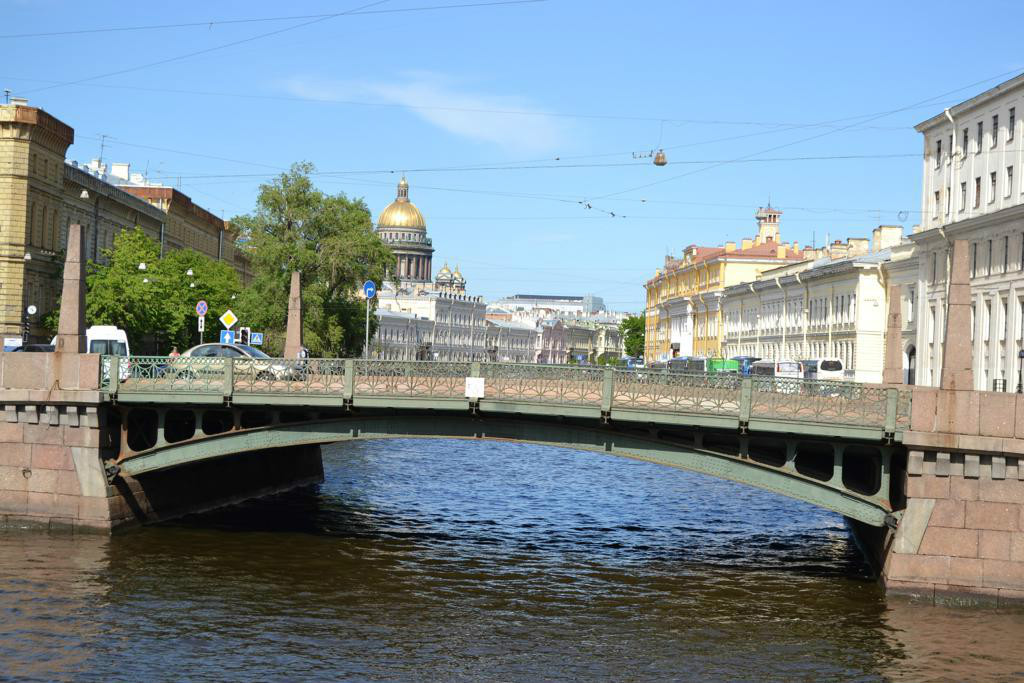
826	308
510	342
973	157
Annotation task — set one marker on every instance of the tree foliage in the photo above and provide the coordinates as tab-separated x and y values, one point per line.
330	240
155	304
633	329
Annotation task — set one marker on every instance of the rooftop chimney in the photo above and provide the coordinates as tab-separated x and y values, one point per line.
19	101
747	243
858	246
730	246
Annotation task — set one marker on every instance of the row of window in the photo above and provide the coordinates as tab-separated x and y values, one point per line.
821	312
992	195
979	139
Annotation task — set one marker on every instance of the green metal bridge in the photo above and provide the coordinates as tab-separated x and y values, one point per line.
832	444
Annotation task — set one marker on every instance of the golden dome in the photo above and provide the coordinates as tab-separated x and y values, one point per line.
401	213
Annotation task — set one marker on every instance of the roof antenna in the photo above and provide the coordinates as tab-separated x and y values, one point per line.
7	95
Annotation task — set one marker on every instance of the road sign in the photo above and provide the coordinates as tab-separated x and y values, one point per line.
202	323
227	336
201	308
369	289
256	339
228	319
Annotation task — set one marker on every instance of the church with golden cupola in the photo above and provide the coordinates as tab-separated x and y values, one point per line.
401	226
422	317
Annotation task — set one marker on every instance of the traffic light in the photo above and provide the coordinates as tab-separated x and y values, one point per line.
244	334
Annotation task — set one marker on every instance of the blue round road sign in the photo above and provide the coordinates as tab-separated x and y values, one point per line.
201	308
370	289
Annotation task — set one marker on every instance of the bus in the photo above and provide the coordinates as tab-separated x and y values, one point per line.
824	368
782	369
745	363
704	366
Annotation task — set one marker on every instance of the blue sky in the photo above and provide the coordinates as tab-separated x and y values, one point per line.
563	91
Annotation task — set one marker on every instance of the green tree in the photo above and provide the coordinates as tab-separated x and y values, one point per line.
330	240
155	304
632	329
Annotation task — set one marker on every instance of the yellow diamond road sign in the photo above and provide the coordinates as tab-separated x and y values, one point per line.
228	319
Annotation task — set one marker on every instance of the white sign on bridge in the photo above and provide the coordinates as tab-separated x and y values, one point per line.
475	387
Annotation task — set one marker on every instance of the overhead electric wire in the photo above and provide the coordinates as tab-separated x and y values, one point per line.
812	137
215	22
207	50
392	171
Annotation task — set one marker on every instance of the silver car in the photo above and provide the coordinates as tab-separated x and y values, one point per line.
247	360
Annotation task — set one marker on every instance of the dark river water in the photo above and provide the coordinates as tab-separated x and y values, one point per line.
470	561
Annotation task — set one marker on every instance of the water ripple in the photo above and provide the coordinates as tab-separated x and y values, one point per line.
470	561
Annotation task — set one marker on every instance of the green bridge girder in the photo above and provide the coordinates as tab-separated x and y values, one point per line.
633	414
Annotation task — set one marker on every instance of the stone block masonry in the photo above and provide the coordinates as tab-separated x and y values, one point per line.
961	536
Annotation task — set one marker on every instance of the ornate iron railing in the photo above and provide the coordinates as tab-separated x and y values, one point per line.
414	378
562	384
718	394
824	401
721	395
161	374
313	376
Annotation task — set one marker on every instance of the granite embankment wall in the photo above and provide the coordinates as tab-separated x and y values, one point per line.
57	437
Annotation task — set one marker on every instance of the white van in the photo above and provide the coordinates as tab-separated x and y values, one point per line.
108	340
824	368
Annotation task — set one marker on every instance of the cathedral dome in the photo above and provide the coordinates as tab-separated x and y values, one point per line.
401	213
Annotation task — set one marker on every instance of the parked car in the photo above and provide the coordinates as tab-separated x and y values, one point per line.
37	348
247	361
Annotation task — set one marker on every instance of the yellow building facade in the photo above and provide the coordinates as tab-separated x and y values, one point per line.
41	195
684	312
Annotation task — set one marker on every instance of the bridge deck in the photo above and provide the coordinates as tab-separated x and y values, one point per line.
726	401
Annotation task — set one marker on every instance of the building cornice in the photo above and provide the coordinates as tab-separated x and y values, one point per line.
1012	213
973	103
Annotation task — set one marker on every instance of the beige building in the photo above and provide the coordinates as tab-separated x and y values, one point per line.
830	307
41	194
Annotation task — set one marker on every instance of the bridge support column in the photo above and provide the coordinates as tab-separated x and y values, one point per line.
293	335
892	371
71	325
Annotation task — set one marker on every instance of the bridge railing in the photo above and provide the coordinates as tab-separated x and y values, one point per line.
606	389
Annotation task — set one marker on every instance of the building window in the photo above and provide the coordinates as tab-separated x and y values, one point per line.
988	268
935	260
981	135
935	207
1009	181
995	130
949	199
974	259
963	195
991	187
977	192
938	153
1006	253
1012	124
963	145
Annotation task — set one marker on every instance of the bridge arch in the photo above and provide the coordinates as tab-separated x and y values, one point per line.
849	478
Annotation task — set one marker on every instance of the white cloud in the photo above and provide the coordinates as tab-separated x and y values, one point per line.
439	101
